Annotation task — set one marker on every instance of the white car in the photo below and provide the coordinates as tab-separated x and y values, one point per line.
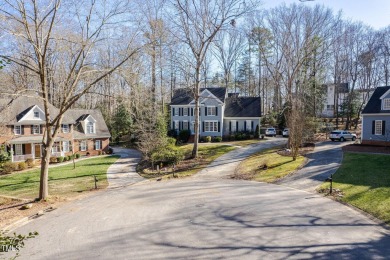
341	135
285	132
270	132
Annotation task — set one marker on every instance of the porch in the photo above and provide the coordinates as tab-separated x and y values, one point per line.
22	149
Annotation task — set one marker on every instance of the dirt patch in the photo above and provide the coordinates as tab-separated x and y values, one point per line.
361	148
11	208
336	193
306	148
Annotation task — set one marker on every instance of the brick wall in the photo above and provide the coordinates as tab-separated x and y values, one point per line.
378	143
90	146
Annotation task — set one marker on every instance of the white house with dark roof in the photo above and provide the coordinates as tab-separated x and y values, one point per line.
220	114
83	131
376	118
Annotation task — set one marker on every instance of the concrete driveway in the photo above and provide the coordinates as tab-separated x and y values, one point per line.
206	217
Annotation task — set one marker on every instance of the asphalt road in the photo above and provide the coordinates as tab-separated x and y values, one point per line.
322	162
209	217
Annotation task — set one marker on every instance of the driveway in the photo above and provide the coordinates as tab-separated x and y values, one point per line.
123	171
206	217
322	162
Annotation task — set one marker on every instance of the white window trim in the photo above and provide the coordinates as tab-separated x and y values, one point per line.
34	128
176	125
20	130
185	123
83	146
212	109
65	146
249	125
177	111
185	111
98	147
65	129
378	125
386	104
207	128
233	123
18	149
88	127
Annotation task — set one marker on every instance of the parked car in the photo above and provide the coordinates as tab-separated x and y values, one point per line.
270	132
285	132
342	135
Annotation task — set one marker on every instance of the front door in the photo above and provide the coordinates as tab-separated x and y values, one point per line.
37	151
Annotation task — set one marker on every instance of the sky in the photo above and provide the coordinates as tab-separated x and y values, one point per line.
375	13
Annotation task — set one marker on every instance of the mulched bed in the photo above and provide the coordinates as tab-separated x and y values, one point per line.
361	148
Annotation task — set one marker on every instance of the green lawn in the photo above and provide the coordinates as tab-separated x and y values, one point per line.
267	166
64	181
365	181
206	154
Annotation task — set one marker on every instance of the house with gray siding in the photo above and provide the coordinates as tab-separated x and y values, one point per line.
220	113
376	118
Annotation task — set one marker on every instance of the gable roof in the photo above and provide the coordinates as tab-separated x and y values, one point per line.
243	107
79	115
374	104
183	96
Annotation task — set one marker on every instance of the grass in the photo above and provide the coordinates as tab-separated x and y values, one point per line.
267	166
206	154
64	181
364	180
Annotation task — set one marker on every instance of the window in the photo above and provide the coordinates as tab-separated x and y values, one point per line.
386	104
55	148
36	114
176	125
98	144
36	129
90	128
65	146
185	111
330	107
83	145
185	125
233	125
249	125
65	128
18	149
211	126
176	111
211	111
18	130
378	127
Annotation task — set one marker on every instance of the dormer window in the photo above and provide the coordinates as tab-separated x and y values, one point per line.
90	128
386	103
65	128
36	114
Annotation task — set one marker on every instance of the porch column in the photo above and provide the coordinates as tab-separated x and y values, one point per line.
12	153
33	151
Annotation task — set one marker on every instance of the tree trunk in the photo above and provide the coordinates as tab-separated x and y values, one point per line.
44	180
196	94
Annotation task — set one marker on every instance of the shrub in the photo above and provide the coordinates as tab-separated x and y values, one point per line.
217	139
100	152
207	139
22	166
77	155
184	135
9	167
257	132
53	159
60	159
4	155
167	155
66	158
110	150
30	162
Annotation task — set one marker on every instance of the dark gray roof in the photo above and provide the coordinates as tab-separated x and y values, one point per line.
185	96
374	103
78	115
243	107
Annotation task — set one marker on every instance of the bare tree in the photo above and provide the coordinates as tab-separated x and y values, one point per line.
198	23
72	31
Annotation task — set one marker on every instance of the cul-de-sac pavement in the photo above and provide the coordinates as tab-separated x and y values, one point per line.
210	216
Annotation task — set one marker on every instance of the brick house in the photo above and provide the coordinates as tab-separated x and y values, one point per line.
23	126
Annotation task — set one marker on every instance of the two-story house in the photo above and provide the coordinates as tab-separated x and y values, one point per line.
23	128
376	118
220	113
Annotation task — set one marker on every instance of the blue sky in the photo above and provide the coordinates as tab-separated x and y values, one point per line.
375	13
